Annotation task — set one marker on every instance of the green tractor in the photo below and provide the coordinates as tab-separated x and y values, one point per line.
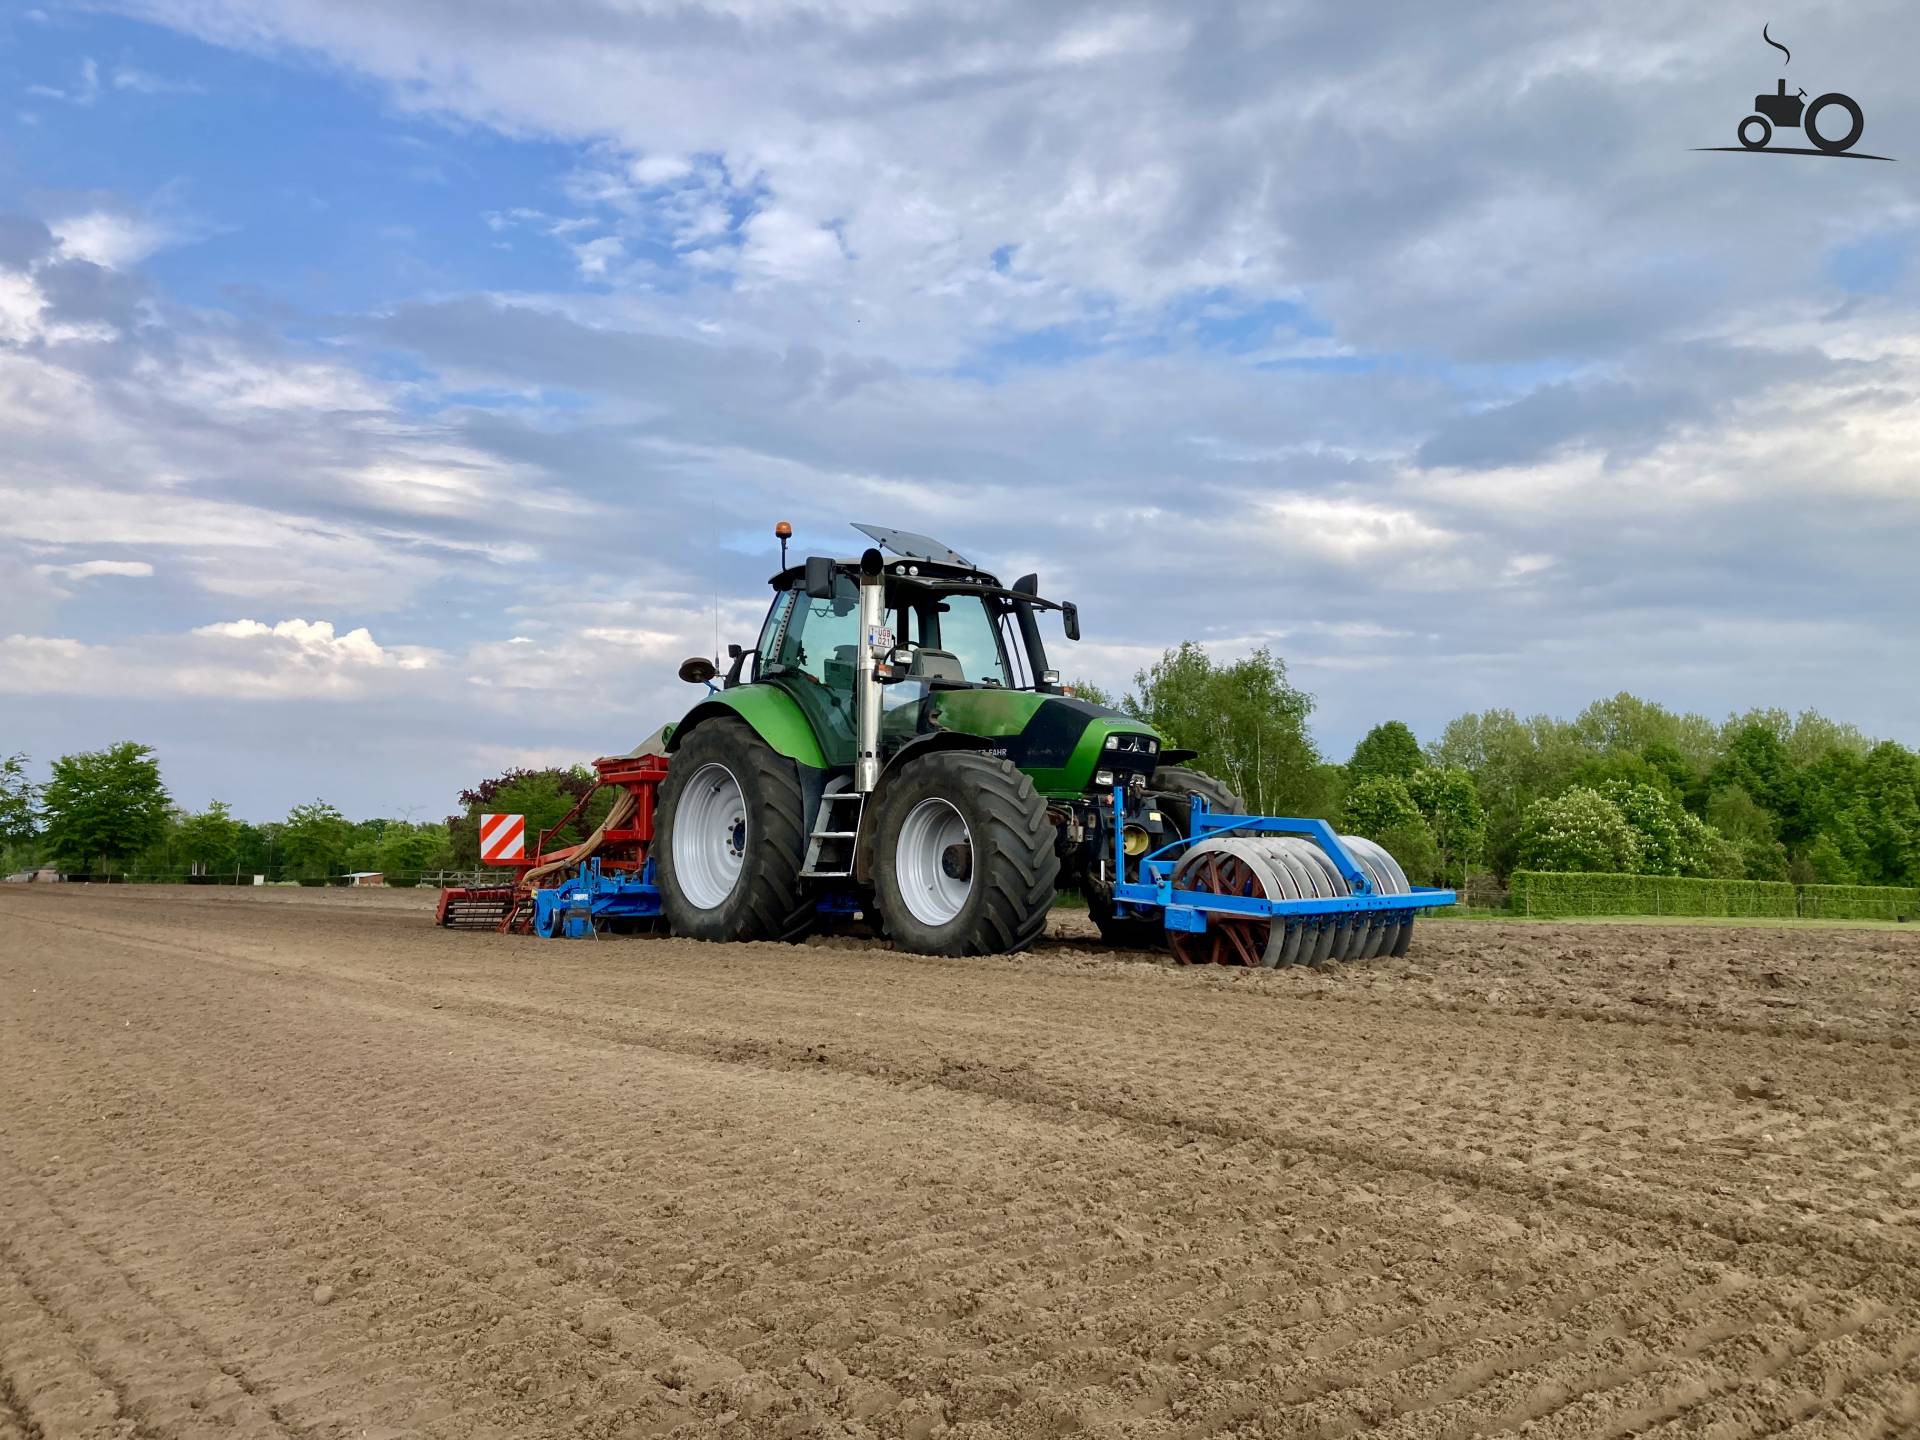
898	744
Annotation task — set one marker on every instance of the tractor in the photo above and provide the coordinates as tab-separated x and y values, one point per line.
897	747
898	742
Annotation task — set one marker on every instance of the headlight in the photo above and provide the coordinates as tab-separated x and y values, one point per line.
1113	742
1104	779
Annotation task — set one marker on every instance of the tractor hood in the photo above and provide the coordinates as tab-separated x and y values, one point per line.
1061	741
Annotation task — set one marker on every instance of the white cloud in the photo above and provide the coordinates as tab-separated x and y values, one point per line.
594	256
244	660
89	569
784	245
111	239
1350	529
144	82
314	642
21	307
653	170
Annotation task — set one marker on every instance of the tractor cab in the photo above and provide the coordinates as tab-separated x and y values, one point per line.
946	626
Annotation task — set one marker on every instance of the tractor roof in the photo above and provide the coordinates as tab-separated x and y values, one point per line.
924	572
922	559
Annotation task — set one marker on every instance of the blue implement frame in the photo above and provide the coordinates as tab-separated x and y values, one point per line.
605	896
1187	910
572	909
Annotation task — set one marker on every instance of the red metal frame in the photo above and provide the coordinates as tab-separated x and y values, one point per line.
626	848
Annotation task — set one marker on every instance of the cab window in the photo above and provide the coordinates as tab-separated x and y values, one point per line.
770	633
823	636
968	633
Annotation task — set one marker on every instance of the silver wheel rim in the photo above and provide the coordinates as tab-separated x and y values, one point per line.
932	828
709	837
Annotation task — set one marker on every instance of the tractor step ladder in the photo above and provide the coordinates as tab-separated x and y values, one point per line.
835	829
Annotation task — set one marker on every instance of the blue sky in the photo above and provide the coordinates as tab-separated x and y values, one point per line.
392	394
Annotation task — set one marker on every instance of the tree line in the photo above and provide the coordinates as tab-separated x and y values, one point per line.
108	812
1626	786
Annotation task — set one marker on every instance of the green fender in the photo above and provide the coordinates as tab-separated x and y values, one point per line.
773	714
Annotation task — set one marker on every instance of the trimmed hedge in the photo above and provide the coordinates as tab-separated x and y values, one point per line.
1859	902
1544	892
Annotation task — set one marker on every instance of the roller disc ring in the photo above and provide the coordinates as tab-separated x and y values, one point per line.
1224	868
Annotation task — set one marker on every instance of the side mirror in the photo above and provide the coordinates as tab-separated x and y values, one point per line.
819	577
697	671
1070	617
1028	585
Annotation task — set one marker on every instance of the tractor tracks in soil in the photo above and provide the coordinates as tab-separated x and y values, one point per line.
268	1178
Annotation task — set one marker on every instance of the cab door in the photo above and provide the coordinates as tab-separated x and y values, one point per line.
813	658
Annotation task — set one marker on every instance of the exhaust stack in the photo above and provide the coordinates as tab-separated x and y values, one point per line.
876	642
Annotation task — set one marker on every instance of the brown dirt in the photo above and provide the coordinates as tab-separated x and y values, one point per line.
297	1164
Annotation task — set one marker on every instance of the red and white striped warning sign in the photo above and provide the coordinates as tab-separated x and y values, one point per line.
503	839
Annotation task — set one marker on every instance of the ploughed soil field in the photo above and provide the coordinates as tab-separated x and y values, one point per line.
300	1164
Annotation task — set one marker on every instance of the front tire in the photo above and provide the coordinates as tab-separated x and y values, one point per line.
963	860
732	839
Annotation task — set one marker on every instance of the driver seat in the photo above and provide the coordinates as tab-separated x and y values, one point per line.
941	665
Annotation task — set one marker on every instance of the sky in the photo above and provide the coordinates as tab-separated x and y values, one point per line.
391	394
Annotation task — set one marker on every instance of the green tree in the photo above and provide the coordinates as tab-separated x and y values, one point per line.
1387	749
1672	840
1678	774
313	842
1749	829
1380	808
260	849
19	803
210	841
1449	802
1738	816
1626	724
1578	830
1830	862
406	850
1513	763
1756	760
1379	802
1621	767
1245	719
543	796
363	844
1886	816
104	805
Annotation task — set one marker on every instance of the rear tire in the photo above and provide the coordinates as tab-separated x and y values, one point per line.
963	856
1838	145
732	838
